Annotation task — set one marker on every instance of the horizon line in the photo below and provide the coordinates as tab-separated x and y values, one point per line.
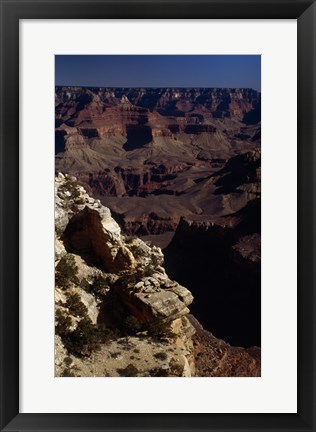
157	87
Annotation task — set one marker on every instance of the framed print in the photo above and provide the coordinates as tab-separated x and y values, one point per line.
132	228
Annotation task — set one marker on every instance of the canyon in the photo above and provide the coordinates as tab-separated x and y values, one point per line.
117	312
165	145
180	169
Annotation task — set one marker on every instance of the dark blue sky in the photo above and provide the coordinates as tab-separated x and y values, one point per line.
159	70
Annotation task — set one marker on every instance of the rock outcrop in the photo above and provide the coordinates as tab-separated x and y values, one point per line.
112	291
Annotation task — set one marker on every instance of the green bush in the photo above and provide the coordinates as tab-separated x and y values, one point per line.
62	323
125	342
175	368
106	334
158	372
68	361
132	325
75	306
100	286
160	330
83	340
161	355
129	371
115	355
87	338
66	272
67	372
85	285
72	187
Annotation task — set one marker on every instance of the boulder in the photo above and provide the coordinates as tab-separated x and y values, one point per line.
94	233
148	307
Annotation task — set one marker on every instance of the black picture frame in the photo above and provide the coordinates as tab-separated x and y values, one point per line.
11	12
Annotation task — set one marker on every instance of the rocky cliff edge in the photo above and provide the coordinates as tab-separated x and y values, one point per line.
117	311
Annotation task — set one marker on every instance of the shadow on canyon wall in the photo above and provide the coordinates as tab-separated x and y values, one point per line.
225	284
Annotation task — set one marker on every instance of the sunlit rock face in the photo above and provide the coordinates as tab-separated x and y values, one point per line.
106	279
